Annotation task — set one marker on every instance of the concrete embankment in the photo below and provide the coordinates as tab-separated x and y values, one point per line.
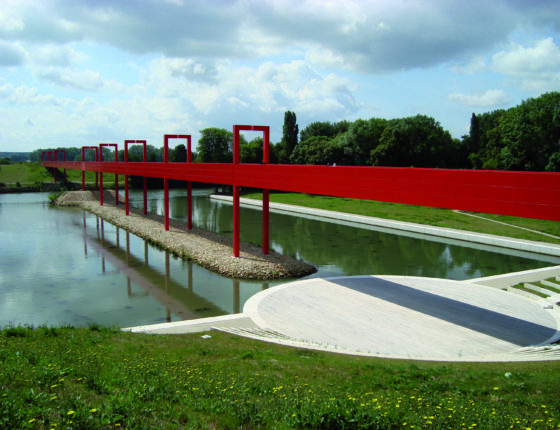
209	250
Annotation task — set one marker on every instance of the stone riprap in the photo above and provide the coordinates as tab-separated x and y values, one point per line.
209	250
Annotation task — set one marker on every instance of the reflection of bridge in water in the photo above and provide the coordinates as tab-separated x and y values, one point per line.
177	298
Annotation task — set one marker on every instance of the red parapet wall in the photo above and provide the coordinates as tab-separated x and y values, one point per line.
522	194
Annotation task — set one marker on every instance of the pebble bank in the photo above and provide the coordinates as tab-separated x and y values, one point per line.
209	250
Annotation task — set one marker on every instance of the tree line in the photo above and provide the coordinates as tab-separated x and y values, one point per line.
524	137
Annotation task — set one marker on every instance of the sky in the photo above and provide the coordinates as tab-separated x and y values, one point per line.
83	72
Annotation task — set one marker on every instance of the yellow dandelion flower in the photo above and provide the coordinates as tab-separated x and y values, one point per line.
93	410
70	413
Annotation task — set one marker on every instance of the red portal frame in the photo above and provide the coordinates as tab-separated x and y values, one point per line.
265	199
166	138
101	146
83	166
144	159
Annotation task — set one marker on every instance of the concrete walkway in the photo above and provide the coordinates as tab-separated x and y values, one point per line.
405	317
395	317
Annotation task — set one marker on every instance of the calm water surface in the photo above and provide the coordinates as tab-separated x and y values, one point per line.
66	266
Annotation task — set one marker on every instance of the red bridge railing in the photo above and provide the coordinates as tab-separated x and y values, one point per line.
522	194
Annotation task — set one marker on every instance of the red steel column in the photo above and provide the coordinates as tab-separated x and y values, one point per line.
189	187
144	159
83	169
235	193
126	209
116	177
101	176
265	198
166	182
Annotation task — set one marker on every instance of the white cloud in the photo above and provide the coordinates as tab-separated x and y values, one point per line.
534	68
542	60
489	99
83	80
22	95
370	36
56	55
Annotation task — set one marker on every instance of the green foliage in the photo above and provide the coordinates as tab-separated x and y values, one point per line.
317	150
215	146
418	141
290	131
251	152
525	137
79	378
323	128
178	154
5	161
361	138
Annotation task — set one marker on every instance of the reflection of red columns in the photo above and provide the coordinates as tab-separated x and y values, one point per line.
236	296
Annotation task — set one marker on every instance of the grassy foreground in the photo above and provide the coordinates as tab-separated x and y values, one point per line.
423	215
102	378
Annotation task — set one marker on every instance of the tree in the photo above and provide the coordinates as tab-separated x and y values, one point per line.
5	160
317	150
528	134
215	146
290	131
418	141
251	152
178	154
360	139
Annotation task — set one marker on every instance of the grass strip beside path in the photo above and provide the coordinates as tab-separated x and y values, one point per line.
92	378
423	215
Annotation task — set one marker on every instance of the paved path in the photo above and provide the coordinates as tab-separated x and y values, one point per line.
404	317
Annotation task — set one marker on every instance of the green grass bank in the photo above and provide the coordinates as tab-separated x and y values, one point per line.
101	378
424	215
30	174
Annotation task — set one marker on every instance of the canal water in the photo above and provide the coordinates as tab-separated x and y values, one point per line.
66	266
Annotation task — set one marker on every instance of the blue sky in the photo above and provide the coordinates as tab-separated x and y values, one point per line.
76	73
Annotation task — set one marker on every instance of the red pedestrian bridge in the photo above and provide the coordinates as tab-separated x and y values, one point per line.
522	194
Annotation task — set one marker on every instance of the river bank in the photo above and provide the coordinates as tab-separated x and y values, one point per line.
209	250
44	187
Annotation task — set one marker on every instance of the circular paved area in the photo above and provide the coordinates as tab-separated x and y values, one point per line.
404	317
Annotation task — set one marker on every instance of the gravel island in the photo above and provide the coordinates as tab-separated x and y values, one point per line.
209	250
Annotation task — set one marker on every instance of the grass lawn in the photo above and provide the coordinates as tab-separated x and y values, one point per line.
102	378
29	174
423	215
